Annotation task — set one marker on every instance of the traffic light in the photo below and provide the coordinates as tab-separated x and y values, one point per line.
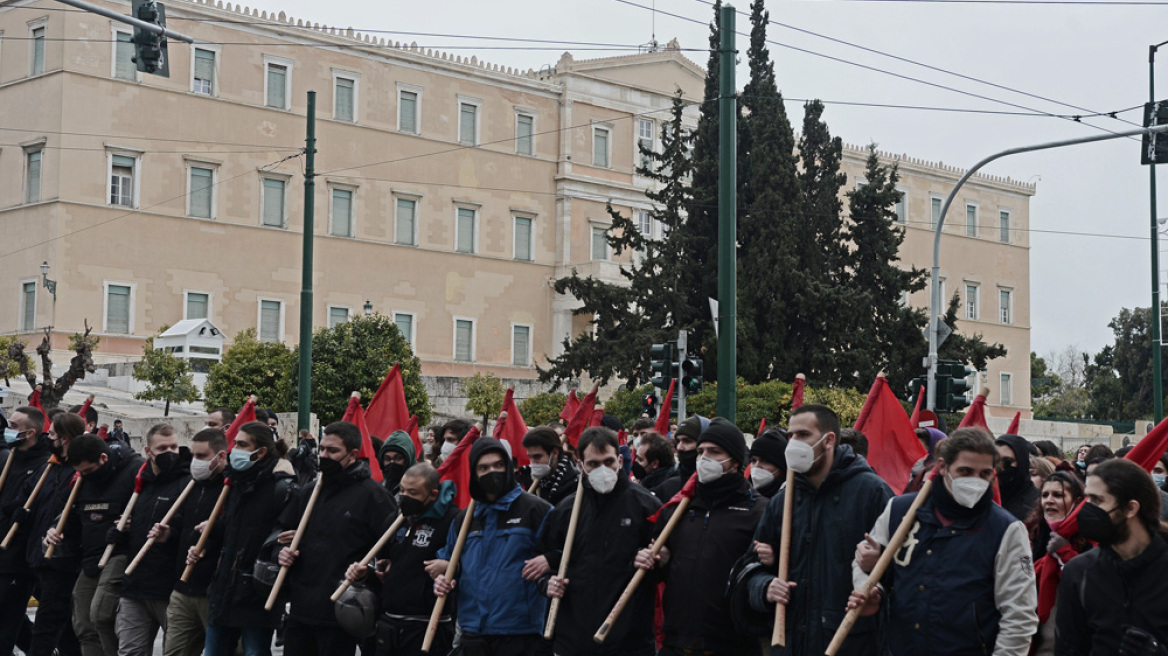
662	357
691	375
150	52
914	390
953	385
649	406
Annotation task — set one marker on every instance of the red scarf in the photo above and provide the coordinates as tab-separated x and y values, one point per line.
1048	570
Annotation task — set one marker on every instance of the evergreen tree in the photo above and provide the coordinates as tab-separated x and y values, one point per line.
821	182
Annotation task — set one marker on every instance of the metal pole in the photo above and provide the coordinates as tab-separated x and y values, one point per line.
1157	373
682	352
727	405
129	20
935	281
304	401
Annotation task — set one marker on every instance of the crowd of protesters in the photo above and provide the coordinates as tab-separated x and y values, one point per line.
1003	546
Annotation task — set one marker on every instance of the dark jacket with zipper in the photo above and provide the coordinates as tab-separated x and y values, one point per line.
257	497
101	500
153	579
559	483
45	513
197	510
611	529
351	513
716	530
27	467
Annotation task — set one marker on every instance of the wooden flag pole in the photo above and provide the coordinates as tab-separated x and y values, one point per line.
123	520
27	504
385	538
631	588
451	567
295	543
779	636
554	611
882	565
65	514
531	489
165	521
7	467
202	543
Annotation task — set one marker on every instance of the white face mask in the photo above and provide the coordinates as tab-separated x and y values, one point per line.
761	477
967	490
602	479
427	448
709	470
201	469
801	456
539	471
447	448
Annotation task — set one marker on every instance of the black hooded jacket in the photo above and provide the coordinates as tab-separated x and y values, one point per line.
197	510
27	467
45	514
1019	496
101	500
154	577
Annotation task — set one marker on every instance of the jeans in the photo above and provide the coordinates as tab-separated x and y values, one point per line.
221	640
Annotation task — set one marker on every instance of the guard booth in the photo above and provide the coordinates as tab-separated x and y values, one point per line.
196	340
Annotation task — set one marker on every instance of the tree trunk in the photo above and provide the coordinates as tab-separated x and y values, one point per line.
166	410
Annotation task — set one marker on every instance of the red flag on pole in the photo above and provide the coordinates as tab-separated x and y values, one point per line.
570	406
797	391
1013	429
597	417
581	418
355	415
1148	451
915	417
512	428
761	428
686	492
34	400
85	406
893	446
975	415
387	410
456	468
412	429
662	426
245	414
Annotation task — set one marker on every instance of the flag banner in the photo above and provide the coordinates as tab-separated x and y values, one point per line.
893	446
456	469
245	414
387	411
662	426
355	415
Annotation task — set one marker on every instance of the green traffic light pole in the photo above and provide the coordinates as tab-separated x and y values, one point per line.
935	280
727	405
304	398
1157	373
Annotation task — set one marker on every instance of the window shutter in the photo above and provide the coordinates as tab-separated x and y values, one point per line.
466	124
269	321
201	192
523	130
464	332
408	111
205	65
118	310
405	221
277	86
124	67
34	177
466	221
342	213
522	238
405	323
273	202
344	99
520	346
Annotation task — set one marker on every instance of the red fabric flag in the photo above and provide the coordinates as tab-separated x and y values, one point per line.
622	438
1148	451
893	446
580	419
1013	429
570	406
512	429
797	391
761	428
412	429
34	400
662	426
85	406
387	410
686	492
245	414
975	415
355	415
103	432
138	482
456	468
597	417
915	417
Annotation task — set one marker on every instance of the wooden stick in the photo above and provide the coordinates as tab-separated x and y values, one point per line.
165	521
295	543
385	538
27	505
631	588
894	545
65	515
568	541
202	543
122	521
455	555
7	467
534	486
779	635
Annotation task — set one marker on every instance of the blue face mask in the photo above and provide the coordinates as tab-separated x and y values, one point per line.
1159	478
11	436
240	459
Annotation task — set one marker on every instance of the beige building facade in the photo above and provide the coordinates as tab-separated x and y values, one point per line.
450	192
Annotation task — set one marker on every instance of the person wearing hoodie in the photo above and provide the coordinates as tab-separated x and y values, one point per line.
407	592
837	498
499	612
145	591
686	435
352	511
1019	496
395	456
697	560
555	470
768	462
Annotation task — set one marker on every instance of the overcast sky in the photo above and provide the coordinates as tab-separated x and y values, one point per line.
1090	247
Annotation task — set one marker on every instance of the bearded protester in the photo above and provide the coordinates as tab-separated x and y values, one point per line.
1059	541
554	469
696	561
1110	599
613	525
768	462
395	456
687	435
500	612
963	582
655	461
1019	496
352	511
837	498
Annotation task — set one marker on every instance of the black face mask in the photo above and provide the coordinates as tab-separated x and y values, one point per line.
639	471
410	507
687	459
392	474
58	450
494	483
330	468
99	475
1096	525
166	461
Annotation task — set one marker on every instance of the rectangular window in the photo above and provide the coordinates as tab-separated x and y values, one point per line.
38	50
277	94
902	209
407	212
197	305
407	111
525	134
644	223
33	190
342	210
117	309
204	75
337	316
464	340
468	115
600	147
270	321
520	345
644	141
599	244
273	201
124	66
27	306
345	100
1004	221
1007	392
971	220
936	216
1005	305
122	181
202	192
523	238
405	324
465	231
971	302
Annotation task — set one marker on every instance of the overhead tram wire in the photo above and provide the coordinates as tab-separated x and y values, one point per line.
362	44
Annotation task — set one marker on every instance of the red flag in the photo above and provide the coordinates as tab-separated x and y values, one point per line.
686	492
570	406
85	406
893	446
622	438
456	468
34	400
412	429
580	419
512	428
1013	429
388	411
103	432
355	415
975	415
662	426
915	417
597	417
245	414
1148	451
797	391
138	482
761	428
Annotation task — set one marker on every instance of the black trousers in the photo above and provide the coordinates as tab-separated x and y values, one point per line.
311	640
15	589
397	637
505	645
54	617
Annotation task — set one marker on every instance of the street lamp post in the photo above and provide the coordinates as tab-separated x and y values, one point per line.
50	285
1157	373
368	307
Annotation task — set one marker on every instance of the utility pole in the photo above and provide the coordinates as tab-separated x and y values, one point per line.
304	399
1157	373
727	405
682	354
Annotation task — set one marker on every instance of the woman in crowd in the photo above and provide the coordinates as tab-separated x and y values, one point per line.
1040	469
1056	542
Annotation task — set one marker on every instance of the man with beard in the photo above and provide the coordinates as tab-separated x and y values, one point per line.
500	613
145	591
613	525
654	461
352	511
687	435
220	418
1019	496
395	457
554	469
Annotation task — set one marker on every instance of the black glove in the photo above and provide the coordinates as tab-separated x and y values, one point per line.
20	515
117	538
1137	642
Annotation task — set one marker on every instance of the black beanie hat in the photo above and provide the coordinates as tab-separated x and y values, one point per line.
771	447
692	427
725	434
